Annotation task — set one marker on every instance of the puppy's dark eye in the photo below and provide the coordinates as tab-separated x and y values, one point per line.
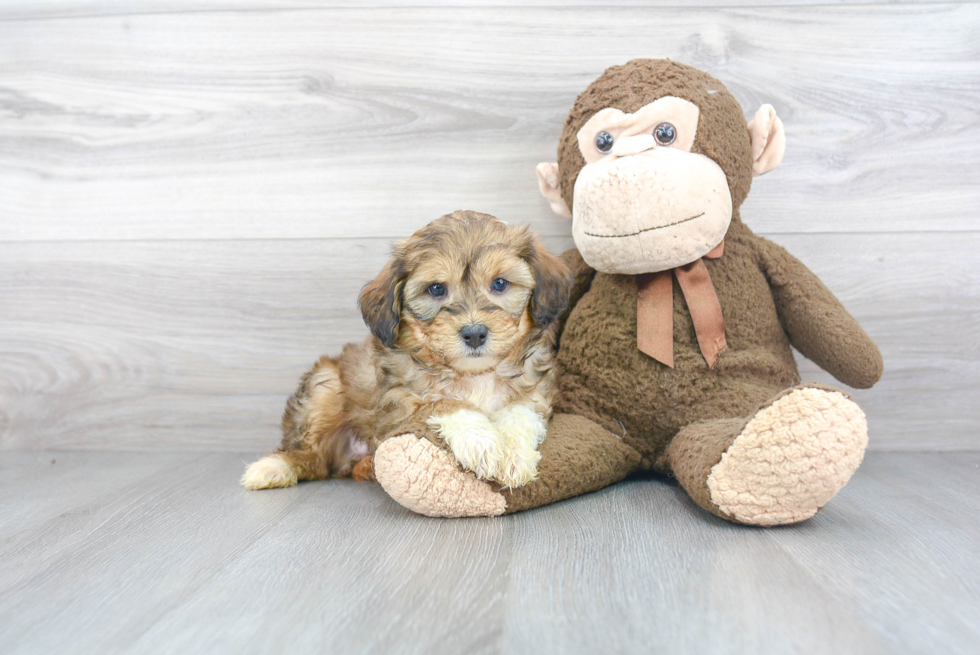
604	142
500	285
664	134
437	290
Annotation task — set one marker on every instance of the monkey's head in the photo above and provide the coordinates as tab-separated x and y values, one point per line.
653	158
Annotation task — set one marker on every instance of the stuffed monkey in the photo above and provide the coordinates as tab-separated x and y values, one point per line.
675	355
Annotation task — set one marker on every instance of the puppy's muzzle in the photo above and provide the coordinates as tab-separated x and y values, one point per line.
474	335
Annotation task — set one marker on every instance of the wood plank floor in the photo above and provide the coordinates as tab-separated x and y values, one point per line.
163	552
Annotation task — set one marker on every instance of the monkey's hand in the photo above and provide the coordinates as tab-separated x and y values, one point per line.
816	321
522	430
473	439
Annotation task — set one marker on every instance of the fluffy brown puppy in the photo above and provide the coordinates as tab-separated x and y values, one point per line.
676	354
462	351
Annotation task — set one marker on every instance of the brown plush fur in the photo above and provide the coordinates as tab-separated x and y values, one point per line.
757	284
769	299
415	364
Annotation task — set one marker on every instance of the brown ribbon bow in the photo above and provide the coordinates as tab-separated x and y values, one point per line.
655	310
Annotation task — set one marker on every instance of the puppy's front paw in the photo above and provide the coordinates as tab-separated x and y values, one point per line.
523	430
473	439
518	466
519	423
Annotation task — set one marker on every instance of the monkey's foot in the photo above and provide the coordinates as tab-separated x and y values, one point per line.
790	459
424	478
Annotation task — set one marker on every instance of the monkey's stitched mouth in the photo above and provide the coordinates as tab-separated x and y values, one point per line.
633	234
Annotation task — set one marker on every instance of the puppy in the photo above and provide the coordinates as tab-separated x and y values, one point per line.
462	352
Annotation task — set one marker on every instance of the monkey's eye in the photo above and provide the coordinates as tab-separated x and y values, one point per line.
437	290
500	285
664	134
603	142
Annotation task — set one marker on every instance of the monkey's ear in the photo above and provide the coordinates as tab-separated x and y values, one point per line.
381	303
552	285
549	183
768	140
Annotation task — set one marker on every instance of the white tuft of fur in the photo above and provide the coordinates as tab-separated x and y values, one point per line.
270	472
473	439
523	430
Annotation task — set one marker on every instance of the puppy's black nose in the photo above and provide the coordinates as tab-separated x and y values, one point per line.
474	335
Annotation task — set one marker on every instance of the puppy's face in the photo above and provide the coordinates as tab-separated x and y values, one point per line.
470	309
465	292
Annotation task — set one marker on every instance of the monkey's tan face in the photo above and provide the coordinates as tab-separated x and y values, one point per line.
644	202
469	307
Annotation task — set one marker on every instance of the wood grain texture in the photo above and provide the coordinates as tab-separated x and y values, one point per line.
191	195
158	553
145	344
361	122
35	9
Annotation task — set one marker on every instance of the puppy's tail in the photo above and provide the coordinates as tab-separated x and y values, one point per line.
317	443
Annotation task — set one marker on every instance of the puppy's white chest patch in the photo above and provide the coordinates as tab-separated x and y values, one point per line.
484	391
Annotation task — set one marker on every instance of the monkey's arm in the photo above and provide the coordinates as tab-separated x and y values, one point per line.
816	322
582	275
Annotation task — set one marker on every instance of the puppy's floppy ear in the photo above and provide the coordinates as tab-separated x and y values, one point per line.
552	285
381	302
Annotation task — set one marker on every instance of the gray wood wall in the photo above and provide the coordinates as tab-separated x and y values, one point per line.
192	193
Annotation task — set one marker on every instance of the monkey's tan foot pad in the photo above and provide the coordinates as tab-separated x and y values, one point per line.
426	479
791	458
